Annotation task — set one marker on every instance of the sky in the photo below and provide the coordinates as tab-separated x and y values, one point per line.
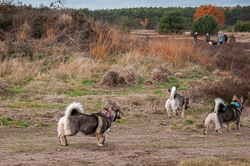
116	4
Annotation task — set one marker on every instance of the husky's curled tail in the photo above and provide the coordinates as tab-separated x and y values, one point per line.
219	103
213	115
173	89
63	127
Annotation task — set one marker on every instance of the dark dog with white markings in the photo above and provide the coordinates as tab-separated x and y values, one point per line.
222	113
95	124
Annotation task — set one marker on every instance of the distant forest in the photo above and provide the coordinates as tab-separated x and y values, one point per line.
148	17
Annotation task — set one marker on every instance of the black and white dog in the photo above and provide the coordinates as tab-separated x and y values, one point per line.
176	102
95	124
222	113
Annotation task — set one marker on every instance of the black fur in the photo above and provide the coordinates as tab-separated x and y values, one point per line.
89	123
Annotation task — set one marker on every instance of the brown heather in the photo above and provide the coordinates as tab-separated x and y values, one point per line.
65	44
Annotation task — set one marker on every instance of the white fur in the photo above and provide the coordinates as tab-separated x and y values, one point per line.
63	123
73	105
173	104
173	89
60	126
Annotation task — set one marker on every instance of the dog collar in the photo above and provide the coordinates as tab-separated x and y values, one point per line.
236	104
107	114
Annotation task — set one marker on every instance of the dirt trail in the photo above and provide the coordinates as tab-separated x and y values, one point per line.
140	142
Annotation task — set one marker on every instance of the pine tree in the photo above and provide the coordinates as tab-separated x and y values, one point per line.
171	22
205	24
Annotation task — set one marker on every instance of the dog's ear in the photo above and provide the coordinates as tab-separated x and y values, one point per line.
169	90
241	100
235	98
109	102
112	108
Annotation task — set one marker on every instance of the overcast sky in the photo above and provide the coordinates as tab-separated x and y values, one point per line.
116	4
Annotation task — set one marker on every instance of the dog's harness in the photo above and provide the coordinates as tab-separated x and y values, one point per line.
107	114
236	104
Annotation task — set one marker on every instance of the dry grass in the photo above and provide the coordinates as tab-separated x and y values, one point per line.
80	68
65	19
160	74
129	74
237	134
111	79
18	69
210	161
67	31
197	136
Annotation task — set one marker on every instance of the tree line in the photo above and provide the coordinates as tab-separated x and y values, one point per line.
149	17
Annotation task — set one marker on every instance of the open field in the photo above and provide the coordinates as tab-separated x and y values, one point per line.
146	136
30	111
63	56
241	37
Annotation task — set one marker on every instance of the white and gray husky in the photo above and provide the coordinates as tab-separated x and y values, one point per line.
222	113
176	102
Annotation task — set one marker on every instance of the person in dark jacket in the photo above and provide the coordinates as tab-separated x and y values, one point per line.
207	39
225	37
195	37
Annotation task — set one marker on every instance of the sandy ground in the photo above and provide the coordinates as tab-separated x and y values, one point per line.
148	138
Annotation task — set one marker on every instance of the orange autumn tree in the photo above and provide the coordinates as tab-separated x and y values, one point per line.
210	10
143	23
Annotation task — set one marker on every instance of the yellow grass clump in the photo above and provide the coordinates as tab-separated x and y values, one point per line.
65	19
237	134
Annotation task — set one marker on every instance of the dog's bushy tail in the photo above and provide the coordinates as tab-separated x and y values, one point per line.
219	103
173	89
73	108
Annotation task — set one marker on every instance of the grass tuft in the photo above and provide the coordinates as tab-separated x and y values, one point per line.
237	134
121	121
197	136
189	120
41	124
199	125
174	125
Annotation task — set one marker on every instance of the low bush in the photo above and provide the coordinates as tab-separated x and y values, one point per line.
226	88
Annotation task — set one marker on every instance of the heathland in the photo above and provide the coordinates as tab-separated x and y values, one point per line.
50	58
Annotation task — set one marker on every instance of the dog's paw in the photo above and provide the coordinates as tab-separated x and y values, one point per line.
218	131
100	144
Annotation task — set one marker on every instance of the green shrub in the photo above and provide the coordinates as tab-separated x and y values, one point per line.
205	24
171	22
241	26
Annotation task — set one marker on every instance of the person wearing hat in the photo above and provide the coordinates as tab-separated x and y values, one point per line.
221	38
